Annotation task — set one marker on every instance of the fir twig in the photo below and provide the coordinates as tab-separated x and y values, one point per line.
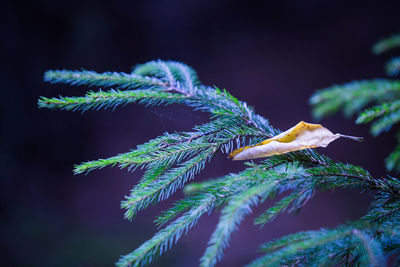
171	160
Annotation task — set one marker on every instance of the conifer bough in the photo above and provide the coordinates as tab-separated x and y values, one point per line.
173	159
376	101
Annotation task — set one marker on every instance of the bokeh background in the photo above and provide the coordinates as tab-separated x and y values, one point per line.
272	54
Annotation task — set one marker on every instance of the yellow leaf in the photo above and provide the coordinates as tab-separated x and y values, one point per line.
303	135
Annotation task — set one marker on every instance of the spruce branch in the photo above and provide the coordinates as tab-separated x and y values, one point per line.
234	212
171	160
144	194
392	67
108	79
213	195
386	44
164	239
345	245
271	213
385	205
392	162
353	97
385	123
221	189
357	95
375	112
129	159
110	100
373	253
286	254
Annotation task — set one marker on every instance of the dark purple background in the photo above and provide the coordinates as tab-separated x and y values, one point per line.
273	55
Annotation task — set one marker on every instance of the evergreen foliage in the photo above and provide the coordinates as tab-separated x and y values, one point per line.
358	96
173	159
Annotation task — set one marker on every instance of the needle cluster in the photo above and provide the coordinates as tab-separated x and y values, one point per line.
173	159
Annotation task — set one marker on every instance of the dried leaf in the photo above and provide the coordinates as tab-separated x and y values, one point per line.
303	135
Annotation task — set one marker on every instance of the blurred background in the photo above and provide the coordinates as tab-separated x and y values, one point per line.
273	55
